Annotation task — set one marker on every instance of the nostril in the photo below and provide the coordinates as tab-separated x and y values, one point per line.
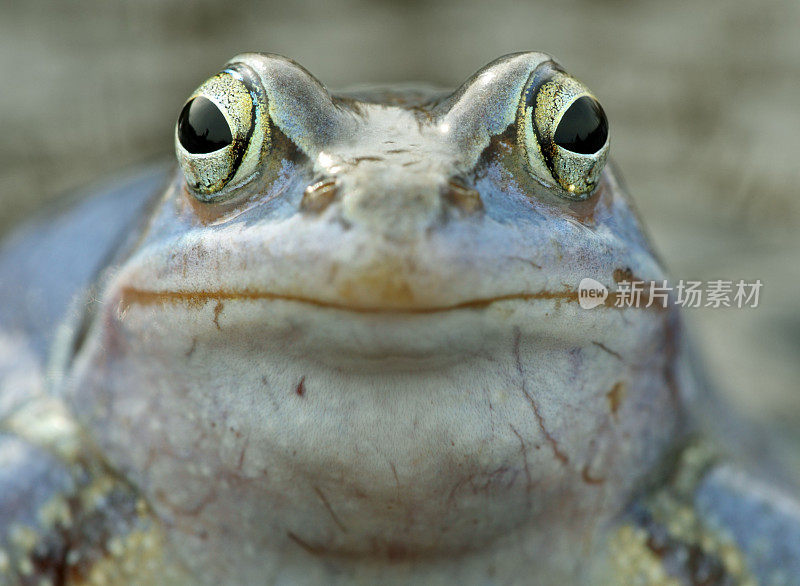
462	197
319	195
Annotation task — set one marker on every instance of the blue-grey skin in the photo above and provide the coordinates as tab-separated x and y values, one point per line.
356	356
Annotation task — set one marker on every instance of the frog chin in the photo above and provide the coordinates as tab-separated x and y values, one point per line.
260	422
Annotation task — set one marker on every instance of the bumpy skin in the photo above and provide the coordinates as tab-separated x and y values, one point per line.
366	364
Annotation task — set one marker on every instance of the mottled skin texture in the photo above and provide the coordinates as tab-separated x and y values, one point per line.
362	359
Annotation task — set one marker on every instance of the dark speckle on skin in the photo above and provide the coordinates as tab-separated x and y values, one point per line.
312	549
607	349
527	261
615	397
396	551
625	274
192	348
524	452
218	310
587	477
300	390
358	160
330	510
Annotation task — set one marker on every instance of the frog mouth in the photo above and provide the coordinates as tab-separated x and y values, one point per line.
131	296
340	332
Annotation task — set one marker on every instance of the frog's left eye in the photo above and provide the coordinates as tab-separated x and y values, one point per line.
563	132
221	133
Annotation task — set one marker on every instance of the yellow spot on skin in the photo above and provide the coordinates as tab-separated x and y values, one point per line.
634	562
55	513
46	423
116	547
137	559
93	497
732	558
22	538
25	567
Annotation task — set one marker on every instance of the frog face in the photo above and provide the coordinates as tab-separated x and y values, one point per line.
351	326
391	203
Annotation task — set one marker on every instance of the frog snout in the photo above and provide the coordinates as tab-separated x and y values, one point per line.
398	209
394	203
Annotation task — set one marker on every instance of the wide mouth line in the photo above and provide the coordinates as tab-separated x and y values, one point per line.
131	296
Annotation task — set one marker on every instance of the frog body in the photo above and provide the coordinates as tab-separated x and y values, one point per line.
343	343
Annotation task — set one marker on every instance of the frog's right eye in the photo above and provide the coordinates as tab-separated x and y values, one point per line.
221	134
563	132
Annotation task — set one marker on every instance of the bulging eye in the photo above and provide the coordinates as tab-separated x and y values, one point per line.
563	132
202	127
221	134
583	128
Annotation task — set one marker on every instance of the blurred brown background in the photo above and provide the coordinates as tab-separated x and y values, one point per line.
703	99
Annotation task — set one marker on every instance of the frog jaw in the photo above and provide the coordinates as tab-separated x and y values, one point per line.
507	434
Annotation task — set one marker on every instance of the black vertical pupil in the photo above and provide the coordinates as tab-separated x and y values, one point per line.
202	128
583	127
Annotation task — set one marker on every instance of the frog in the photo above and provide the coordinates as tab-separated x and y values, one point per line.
342	341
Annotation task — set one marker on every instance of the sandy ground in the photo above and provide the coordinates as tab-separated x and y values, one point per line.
702	97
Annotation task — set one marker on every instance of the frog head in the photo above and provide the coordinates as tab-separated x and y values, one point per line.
351	327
